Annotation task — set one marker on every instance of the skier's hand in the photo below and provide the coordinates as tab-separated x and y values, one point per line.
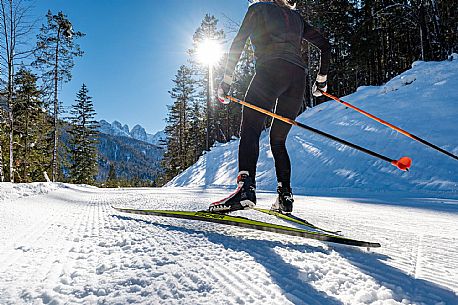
320	84
223	89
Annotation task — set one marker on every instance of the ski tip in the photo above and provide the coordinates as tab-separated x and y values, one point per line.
403	164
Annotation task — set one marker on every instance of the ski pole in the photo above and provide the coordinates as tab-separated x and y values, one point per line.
403	163
402	131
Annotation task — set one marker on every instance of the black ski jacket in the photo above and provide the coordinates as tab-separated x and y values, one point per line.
276	32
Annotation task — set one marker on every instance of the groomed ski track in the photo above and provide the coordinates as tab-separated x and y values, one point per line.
67	246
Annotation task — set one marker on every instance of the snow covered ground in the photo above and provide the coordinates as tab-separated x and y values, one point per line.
63	244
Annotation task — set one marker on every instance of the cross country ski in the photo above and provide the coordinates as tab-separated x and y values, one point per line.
294	219
253	224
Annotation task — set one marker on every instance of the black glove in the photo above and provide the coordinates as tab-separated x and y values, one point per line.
320	84
223	90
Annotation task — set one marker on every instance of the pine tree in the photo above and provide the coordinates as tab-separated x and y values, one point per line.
208	29
2	176
179	154
83	139
2	140
56	49
30	128
336	20
112	178
197	130
448	18
14	31
390	35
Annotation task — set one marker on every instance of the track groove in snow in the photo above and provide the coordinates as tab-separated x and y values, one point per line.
70	247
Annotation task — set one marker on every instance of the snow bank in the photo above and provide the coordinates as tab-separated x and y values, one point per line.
10	191
422	100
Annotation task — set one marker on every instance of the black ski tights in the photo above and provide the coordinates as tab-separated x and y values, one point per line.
276	79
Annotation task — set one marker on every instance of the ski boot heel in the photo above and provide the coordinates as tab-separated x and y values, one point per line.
285	200
244	197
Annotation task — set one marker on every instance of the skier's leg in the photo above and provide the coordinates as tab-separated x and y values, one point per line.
288	105
250	131
278	134
263	92
244	197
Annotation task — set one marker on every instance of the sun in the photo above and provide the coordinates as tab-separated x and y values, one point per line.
209	52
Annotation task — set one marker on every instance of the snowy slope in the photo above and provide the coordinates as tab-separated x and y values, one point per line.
422	100
63	244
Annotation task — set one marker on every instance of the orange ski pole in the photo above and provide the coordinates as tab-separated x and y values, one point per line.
403	163
402	131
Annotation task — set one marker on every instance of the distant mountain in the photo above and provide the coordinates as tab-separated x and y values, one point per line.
135	154
158	138
114	129
137	132
132	158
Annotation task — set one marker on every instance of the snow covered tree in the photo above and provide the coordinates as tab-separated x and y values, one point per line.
180	152
55	53
83	139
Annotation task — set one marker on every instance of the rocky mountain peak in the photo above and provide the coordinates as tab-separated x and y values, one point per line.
138	132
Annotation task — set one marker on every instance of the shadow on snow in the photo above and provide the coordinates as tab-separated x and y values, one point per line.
285	275
403	286
296	290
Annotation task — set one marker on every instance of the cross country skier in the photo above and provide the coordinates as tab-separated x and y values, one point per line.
276	31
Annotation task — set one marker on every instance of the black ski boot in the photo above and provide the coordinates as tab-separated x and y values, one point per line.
244	197
284	202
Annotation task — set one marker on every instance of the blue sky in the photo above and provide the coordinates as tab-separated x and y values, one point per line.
133	50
